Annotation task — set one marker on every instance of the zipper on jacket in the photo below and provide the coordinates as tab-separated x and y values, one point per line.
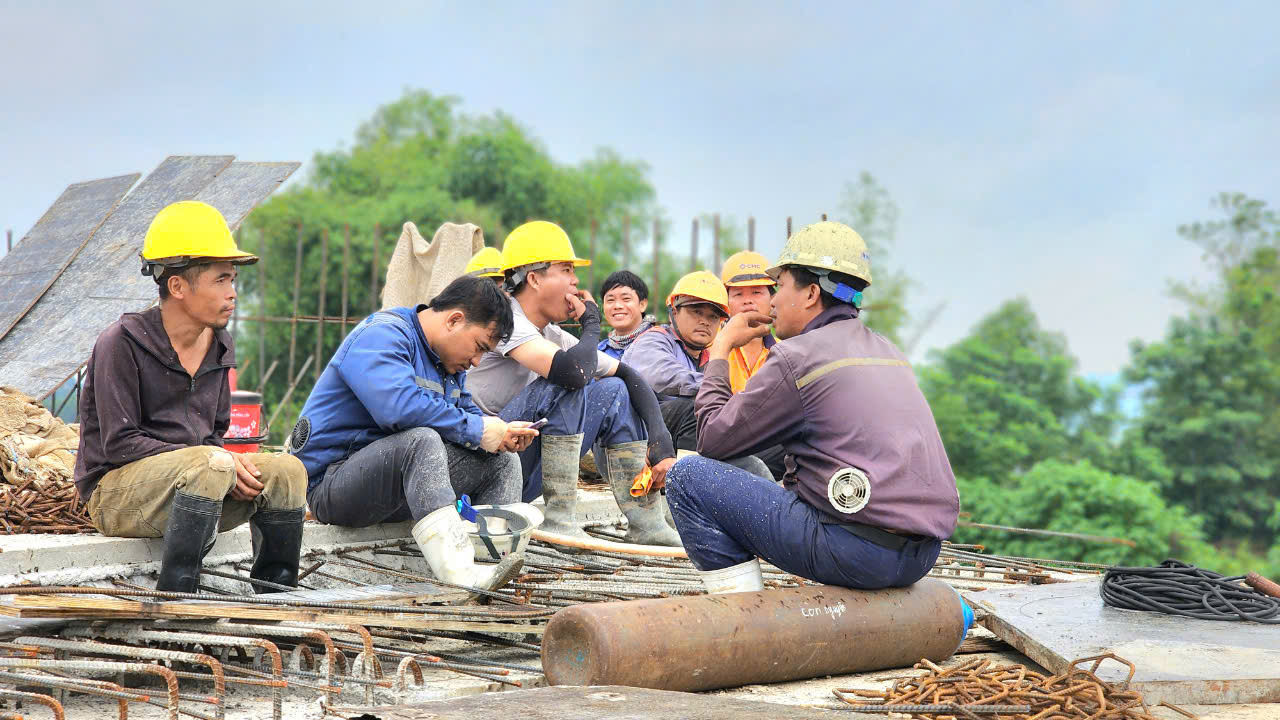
187	408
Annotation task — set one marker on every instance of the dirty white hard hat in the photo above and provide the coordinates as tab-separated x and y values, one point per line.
506	529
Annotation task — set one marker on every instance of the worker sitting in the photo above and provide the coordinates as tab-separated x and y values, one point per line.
390	433
486	263
156	404
869	495
588	398
625	297
749	289
671	357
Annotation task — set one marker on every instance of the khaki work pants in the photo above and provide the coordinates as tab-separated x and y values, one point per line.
134	500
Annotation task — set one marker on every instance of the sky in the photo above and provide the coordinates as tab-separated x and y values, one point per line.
1045	150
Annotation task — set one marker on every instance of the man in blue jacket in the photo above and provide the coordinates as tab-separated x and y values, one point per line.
390	433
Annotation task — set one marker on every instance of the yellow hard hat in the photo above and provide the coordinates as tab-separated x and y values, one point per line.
826	246
536	242
187	231
486	263
703	287
745	268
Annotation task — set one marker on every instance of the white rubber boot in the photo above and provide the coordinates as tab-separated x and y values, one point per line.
744	577
443	540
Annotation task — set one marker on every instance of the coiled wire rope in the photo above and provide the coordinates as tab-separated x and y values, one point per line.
1176	588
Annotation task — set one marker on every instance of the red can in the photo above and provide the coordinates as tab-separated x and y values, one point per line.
244	435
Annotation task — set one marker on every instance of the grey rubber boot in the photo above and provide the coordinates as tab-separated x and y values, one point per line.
560	455
645	522
188	537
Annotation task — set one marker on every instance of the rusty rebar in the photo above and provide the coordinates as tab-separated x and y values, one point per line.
981	687
141	653
45	700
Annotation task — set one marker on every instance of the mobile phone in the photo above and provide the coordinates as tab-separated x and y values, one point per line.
539	425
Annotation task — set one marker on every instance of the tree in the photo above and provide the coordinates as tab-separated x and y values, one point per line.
1005	398
1210	388
867	207
1209	405
416	159
1077	497
1227	242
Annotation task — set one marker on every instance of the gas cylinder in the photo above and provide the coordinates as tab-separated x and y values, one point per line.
706	642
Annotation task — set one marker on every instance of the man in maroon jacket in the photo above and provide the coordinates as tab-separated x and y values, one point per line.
154	408
868	495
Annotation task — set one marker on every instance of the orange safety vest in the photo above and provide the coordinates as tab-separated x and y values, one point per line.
740	371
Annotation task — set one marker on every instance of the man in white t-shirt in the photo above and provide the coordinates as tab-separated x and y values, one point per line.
588	398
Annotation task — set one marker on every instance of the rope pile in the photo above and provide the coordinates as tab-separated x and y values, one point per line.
1177	588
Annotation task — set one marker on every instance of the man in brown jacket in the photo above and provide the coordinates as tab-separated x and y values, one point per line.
156	404
868	495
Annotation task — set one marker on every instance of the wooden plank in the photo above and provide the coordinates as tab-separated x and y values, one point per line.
103	282
90	608
28	271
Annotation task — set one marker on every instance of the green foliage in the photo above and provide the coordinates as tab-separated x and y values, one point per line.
416	159
1076	497
1209	397
1211	387
1005	398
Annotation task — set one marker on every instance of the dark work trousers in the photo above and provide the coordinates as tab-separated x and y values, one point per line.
601	411
408	475
727	516
682	422
773	458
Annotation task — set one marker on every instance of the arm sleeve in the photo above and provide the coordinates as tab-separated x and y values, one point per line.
378	367
575	367
117	382
646	406
767	412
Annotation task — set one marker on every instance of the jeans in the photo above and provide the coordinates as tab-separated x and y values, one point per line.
601	411
727	516
408	475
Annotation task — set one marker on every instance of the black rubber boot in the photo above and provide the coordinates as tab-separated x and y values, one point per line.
193	525
277	543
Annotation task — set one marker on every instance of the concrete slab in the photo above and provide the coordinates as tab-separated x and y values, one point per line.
88	559
584	703
1179	660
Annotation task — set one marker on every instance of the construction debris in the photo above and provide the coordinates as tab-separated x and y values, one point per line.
1014	692
37	464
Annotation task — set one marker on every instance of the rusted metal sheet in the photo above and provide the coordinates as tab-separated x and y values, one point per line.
587	703
56	336
1179	660
103	282
28	271
717	641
